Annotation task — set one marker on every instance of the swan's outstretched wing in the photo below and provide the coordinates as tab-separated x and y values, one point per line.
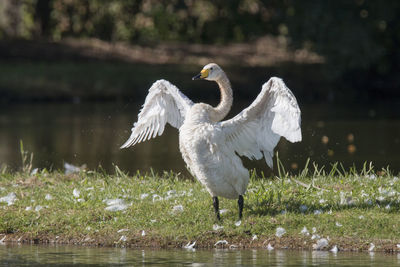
164	103
257	129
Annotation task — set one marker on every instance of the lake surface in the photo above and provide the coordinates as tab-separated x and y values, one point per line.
91	134
38	255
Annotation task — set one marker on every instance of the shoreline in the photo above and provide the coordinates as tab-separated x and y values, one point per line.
349	211
286	243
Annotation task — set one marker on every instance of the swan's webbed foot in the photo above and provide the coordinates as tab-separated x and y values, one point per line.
216	207
240	204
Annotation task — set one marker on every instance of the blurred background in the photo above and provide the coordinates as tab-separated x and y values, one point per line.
74	73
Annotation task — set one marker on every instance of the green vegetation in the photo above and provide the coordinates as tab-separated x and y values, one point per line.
350	209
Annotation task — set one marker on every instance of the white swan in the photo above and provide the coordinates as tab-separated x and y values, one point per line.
210	147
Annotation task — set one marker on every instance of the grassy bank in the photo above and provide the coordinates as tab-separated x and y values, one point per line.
349	209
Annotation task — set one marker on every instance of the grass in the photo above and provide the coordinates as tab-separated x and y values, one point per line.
350	208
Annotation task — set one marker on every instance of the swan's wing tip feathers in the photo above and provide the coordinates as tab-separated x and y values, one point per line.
129	142
274	113
164	104
126	144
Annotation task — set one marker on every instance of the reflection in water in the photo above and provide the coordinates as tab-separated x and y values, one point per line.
34	255
92	134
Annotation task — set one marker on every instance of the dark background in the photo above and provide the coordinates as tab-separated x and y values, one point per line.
74	73
336	51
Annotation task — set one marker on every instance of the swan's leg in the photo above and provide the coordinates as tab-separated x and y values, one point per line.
240	204
216	207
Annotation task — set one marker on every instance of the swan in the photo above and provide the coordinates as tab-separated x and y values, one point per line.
211	147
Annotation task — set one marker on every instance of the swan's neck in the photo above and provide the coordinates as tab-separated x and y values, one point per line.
224	106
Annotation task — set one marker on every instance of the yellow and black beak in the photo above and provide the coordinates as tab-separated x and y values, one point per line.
202	75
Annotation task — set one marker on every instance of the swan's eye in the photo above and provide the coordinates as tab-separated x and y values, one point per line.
211	68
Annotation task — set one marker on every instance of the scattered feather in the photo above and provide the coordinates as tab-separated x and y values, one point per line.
38	208
334	249
221	242
280	232
371	247
315	236
270	247
361	217
321	244
76	193
28	208
398	245
48	197
381	198
116	205
69	168
9	199
2	240
171	193
190	246
314	229
338	224
217	227
157	198
143	233
153	221
144	195
122	230
317	212
254	237
223	211
238	223
123	239
177	209
346	200
304	231
34	171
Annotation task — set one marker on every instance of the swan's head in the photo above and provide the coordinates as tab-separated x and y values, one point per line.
209	72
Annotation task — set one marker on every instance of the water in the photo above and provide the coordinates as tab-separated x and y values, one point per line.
92	133
38	255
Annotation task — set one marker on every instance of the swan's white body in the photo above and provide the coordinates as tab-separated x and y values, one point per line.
209	146
208	157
